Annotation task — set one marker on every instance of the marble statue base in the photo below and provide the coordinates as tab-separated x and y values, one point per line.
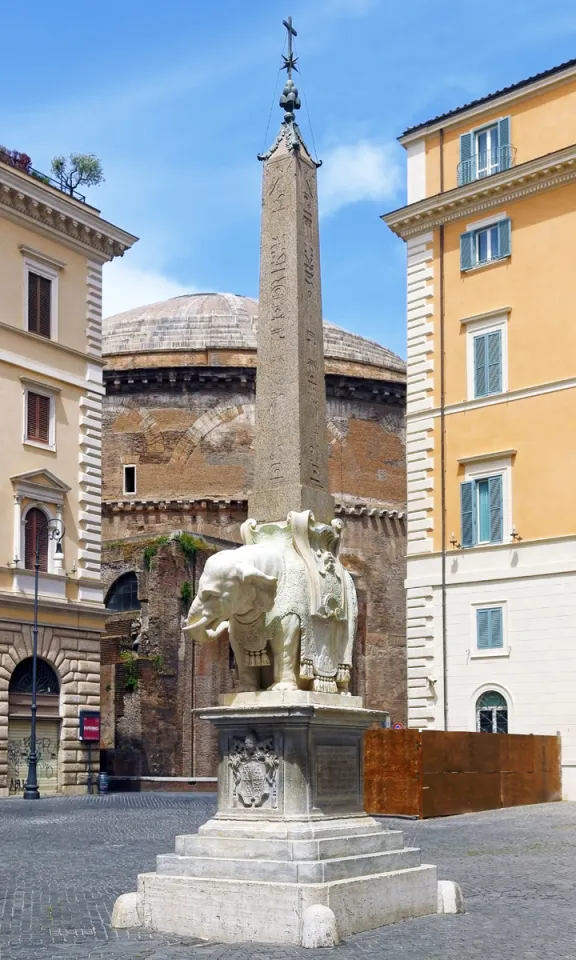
290	832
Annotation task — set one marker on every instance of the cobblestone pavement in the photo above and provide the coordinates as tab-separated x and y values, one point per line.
63	862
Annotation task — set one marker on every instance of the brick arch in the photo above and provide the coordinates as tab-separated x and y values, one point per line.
205	424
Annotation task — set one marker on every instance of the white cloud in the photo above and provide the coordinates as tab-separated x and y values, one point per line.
126	286
366	170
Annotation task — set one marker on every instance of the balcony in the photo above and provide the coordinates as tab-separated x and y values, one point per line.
481	165
22	162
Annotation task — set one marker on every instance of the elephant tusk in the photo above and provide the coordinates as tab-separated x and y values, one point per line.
197	624
220	629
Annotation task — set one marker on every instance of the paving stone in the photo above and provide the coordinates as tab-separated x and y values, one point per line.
64	860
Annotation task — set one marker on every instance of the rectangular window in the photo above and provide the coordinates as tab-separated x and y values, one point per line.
485	151
488	363
481	511
130	479
485	245
489	633
39	304
38	417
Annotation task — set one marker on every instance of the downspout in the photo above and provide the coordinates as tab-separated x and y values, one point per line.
443	449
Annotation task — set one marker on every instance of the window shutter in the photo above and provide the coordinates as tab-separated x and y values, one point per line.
466	251
466	171
468	513
505	152
39	304
480	366
495	488
35	528
496	637
38	418
483	629
504	237
494	362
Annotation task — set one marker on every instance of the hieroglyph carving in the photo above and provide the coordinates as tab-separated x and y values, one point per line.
254	767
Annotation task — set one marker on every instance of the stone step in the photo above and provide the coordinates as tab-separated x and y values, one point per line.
289	871
197	845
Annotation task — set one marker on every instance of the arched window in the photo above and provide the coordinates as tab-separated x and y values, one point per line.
492	713
46	678
123	594
36	533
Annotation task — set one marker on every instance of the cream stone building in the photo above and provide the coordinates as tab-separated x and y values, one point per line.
52	248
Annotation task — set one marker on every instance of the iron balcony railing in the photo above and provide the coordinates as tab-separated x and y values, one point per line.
481	165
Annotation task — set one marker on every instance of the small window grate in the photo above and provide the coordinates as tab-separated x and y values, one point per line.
46	678
123	594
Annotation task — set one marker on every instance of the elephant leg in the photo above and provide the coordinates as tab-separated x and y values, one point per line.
286	650
248	677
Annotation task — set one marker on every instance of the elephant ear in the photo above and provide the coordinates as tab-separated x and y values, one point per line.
264	585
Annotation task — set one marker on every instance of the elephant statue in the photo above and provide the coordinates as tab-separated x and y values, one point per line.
283	605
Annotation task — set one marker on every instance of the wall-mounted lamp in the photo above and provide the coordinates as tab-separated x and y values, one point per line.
515	536
454	542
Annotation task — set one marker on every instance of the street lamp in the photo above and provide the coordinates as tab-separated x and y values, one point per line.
55	530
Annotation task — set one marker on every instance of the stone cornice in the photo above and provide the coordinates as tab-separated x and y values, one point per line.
179	378
27	200
351	507
543	173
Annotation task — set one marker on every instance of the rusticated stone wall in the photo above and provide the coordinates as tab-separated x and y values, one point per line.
74	655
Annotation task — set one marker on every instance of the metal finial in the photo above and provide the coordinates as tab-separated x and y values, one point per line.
289	101
290	61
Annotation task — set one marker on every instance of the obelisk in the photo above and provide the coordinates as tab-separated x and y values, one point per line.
291	451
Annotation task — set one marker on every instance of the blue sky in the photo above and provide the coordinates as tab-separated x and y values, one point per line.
175	98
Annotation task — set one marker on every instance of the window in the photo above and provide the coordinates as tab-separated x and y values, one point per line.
39	304
123	594
129	479
489	628
36	535
481	511
37	417
488	363
485	151
485	245
492	713
46	679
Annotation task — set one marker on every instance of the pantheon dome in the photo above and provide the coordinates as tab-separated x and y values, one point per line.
222	327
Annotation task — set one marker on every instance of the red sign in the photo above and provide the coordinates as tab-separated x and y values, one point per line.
89	725
398	726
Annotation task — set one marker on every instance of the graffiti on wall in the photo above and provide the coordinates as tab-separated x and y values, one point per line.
18	754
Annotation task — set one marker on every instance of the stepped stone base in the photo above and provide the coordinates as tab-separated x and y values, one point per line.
290	834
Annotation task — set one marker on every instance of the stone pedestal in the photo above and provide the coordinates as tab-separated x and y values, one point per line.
290	832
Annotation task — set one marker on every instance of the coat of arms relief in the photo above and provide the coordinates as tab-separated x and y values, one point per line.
254	767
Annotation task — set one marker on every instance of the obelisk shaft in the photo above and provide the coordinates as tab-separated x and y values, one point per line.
291	449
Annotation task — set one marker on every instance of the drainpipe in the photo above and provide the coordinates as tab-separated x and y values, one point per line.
443	449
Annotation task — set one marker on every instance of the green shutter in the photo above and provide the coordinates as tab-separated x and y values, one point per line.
480	366
504	237
468	513
495	488
466	170
494	362
482	629
466	251
496	637
504	148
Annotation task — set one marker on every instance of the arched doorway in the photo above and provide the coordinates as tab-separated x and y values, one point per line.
492	713
47	726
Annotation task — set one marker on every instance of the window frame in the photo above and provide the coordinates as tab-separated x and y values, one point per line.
479	226
132	577
484	653
477	132
129	466
494	710
50	565
484	470
41	389
479	692
481	327
49	273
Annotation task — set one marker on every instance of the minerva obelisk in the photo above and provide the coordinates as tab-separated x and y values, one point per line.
291	453
290	855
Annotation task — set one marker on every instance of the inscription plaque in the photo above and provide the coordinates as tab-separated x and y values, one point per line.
337	772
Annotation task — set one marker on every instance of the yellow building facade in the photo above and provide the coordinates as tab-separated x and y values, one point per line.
52	249
491	581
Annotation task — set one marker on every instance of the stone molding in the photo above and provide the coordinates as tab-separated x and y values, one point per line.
543	173
152	378
25	199
355	508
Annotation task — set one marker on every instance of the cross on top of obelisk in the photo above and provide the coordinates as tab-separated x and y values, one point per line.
290	61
